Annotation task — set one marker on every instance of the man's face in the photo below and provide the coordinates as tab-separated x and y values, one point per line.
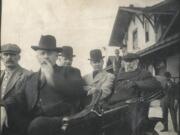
10	60
43	55
124	50
131	65
64	61
97	65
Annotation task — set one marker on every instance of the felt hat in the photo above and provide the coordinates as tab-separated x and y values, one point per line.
47	42
96	55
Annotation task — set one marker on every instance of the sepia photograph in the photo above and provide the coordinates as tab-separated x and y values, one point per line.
90	67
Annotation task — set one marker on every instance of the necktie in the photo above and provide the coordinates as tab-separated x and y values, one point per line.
4	83
95	73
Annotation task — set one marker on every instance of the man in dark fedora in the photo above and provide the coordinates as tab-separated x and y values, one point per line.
66	56
99	79
49	94
134	83
11	77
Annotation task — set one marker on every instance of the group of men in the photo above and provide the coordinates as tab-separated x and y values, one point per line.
35	103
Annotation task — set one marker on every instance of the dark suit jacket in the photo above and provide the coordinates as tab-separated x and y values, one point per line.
17	80
68	82
144	81
135	84
116	64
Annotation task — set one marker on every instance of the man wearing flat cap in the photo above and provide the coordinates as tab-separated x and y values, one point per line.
99	79
11	78
134	83
49	94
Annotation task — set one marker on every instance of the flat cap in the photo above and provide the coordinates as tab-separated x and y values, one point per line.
10	48
130	57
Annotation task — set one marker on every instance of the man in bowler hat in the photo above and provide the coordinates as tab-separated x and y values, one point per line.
66	56
49	94
99	79
65	59
11	78
134	83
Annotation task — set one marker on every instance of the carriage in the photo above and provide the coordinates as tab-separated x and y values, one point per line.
104	118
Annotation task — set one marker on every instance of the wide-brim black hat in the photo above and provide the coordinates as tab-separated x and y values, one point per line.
47	42
96	55
67	51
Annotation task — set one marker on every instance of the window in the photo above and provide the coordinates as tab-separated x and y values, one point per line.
146	25
125	38
135	39
134	19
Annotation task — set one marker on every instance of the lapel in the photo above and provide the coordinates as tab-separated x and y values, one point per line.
112	58
98	77
32	90
12	81
2	75
117	60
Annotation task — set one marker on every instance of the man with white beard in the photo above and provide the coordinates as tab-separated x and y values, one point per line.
48	95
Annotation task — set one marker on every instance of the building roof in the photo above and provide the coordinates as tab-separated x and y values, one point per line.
165	7
120	27
125	15
172	40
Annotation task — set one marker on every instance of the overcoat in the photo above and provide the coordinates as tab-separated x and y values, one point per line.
135	84
17	79
102	81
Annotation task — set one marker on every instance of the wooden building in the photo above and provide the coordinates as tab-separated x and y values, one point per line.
152	32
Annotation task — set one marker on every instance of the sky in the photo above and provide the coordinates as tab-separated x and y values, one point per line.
82	24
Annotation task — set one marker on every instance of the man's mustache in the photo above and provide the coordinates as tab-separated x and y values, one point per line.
46	61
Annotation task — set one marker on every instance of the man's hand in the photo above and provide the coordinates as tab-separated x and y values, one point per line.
92	91
87	88
4	118
175	103
131	84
